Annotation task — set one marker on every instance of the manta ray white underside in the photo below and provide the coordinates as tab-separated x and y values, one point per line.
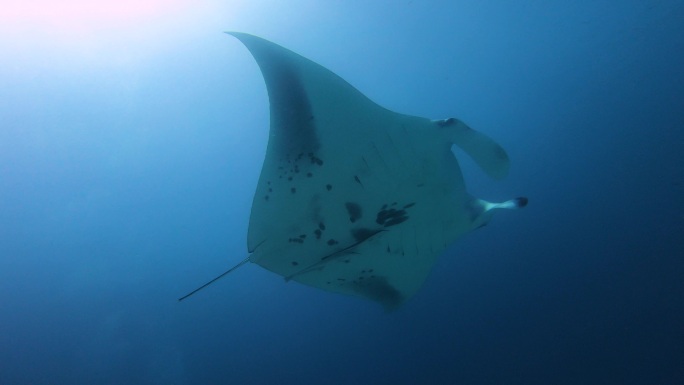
354	198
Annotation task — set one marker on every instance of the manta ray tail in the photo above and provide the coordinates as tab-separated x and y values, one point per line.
215	279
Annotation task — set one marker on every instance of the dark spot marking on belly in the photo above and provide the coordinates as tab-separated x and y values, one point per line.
332	242
361	234
295	263
328	187
395	221
314	159
391	217
354	211
293	190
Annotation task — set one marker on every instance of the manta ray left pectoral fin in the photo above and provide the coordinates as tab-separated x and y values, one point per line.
215	279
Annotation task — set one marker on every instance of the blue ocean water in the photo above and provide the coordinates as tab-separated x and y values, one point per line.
130	151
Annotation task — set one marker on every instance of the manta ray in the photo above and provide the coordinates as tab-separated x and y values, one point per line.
354	198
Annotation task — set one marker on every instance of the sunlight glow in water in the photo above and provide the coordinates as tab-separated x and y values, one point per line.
82	33
81	16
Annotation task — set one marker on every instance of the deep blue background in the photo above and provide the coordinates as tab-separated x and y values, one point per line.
127	172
